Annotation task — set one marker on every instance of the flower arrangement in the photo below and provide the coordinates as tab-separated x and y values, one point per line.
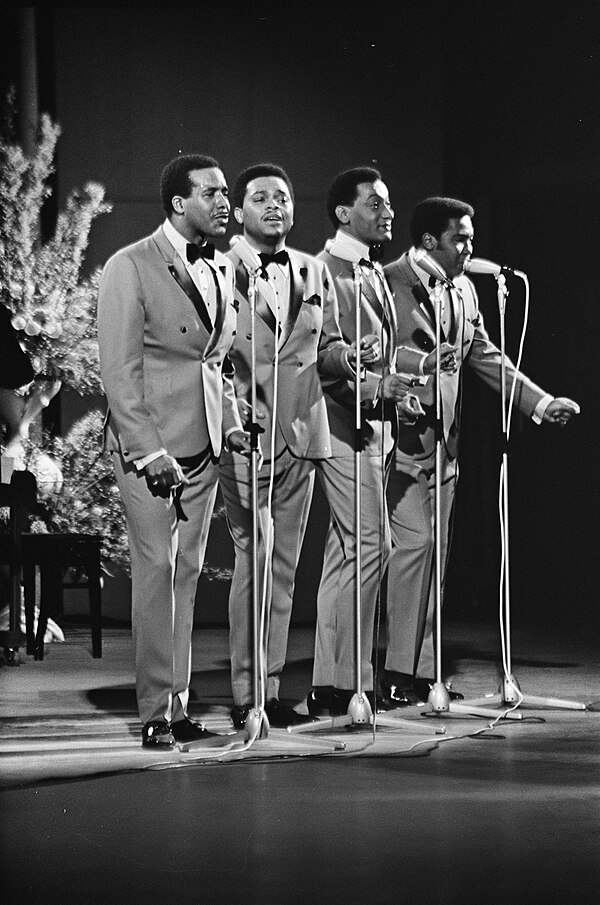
53	308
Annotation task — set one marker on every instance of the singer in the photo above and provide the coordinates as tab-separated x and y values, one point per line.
297	339
360	210
166	320
442	228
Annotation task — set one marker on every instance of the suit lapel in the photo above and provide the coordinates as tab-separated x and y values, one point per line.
297	284
263	309
182	277
218	274
422	297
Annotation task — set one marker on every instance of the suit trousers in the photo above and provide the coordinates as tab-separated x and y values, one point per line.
411	570
282	524
335	660
167	540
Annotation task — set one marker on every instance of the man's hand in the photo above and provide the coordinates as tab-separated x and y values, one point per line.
163	475
395	386
560	410
239	442
447	360
409	409
245	410
370	351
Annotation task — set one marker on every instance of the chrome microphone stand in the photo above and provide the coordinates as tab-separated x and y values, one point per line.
439	701
360	713
509	693
256	726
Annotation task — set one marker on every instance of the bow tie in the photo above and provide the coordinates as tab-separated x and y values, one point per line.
280	257
375	256
193	252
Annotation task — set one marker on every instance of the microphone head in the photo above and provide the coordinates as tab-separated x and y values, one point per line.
245	253
481	265
430	266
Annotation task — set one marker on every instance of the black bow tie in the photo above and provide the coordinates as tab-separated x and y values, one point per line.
280	257
193	252
375	256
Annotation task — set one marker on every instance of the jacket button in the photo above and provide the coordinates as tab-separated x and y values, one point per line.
314	330
183	329
299	365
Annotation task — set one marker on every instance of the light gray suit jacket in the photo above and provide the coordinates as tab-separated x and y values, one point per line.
161	365
416	339
310	344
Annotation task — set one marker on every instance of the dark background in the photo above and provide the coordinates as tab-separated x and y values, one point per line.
493	102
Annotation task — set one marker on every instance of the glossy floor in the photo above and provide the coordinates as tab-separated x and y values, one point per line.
504	816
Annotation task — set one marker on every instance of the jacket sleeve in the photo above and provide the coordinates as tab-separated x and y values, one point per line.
121	317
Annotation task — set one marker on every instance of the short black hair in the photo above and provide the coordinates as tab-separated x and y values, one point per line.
433	215
343	189
175	178
255	172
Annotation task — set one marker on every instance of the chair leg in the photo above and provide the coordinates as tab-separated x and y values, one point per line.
95	596
29	582
51	592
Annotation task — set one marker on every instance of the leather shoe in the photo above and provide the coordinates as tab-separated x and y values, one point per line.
325	700
423	687
157	734
186	730
281	715
238	714
397	690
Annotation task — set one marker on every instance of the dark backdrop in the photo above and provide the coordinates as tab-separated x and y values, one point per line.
495	102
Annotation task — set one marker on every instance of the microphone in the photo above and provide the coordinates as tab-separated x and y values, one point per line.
246	254
481	265
427	263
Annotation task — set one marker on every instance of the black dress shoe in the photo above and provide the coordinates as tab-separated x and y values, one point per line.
325	700
281	715
319	700
186	730
423	687
397	690
157	734
238	714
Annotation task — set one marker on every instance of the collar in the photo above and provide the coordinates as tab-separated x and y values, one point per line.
178	241
347	247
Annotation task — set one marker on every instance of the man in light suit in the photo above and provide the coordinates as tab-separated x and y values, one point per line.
297	338
359	207
166	320
443	228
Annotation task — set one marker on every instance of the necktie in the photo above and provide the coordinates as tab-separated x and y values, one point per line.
193	252
280	257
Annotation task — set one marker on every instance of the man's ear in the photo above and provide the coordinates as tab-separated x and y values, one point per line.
429	242
342	214
239	215
177	204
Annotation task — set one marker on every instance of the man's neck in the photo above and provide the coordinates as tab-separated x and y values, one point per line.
264	246
188	234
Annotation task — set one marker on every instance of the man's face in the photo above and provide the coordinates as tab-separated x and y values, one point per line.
206	211
267	212
454	246
369	218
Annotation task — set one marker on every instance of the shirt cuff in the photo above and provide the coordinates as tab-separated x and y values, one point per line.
540	409
141	463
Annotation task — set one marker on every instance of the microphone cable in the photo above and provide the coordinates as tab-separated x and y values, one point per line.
504	539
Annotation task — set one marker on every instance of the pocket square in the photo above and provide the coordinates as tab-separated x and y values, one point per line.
313	300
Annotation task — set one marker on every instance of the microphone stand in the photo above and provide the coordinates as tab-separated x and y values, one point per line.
439	701
256	726
509	693
360	713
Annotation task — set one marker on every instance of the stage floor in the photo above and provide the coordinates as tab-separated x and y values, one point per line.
505	815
